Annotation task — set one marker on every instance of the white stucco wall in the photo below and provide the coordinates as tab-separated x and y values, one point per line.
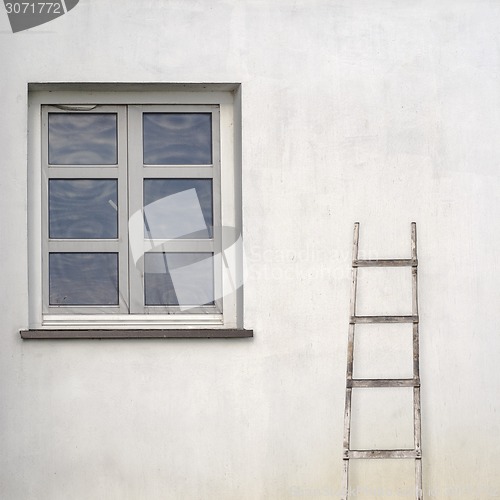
381	112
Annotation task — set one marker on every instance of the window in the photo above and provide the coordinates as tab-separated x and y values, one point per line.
134	208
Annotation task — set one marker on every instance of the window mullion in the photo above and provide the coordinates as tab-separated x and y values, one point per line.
135	213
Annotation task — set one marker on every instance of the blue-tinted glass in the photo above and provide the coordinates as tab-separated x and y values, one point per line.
82	139
183	279
83	208
178	208
83	279
177	138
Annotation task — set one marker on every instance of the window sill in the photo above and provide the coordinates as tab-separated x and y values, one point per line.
219	333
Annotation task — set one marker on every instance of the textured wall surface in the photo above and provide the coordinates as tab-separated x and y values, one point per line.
379	112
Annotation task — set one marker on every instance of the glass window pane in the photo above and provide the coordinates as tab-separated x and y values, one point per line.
83	208
183	279
177	138
83	279
83	139
178	208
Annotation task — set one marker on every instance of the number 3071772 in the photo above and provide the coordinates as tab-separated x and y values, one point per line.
34	8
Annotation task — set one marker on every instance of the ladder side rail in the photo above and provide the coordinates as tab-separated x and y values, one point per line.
350	361
416	369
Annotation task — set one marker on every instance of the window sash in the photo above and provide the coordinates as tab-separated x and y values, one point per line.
140	171
118	245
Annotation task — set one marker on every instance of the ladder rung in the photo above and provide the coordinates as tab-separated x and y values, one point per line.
355	454
384	319
384	262
384	382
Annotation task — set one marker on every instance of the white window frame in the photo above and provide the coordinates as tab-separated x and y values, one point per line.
131	99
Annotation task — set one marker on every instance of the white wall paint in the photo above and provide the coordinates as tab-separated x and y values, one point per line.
383	112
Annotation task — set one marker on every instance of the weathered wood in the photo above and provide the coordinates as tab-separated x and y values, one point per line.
383	382
414	240
345	480
374	454
416	367
419	492
354	280
417	418
385	263
350	352
370	383
135	334
416	370
347	420
384	319
350	358
414	306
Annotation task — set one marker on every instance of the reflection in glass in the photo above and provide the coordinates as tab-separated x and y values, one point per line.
178	208
83	279
83	208
82	139
177	138
183	279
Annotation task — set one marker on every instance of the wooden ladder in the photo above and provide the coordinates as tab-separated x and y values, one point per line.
415	452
